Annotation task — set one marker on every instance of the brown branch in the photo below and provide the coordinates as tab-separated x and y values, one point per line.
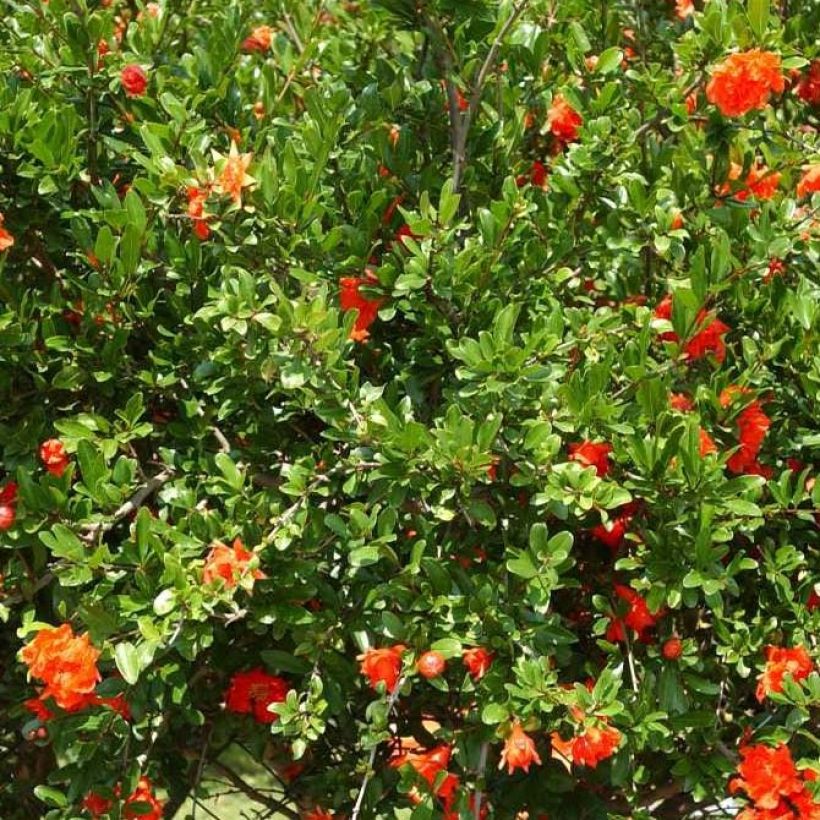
249	790
90	531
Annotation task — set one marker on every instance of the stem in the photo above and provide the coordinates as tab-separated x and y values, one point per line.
368	774
482	765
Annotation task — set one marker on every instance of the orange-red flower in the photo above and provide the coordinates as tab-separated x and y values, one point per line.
589	748
684	9
426	764
251	692
229	564
8	500
707	443
672	648
745	81
752	425
638	617
761	183
234	177
318	814
709	339
563	120
38	707
150	808
478	660
6	239
780	662
196	210
592	454
681	402
97	805
431	664
767	775
54	456
519	751
614	532
351	298
65	662
260	39
810	181
382	665
808	89
537	175
134	80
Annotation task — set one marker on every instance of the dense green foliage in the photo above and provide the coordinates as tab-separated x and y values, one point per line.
414	487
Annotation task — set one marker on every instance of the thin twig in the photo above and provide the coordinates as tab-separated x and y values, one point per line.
482	765
90	531
369	773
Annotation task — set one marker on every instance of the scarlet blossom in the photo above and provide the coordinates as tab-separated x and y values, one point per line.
761	183
589	748
253	691
767	775
745	81
103	48
260	39
563	120
776	268
382	665
809	182
229	564
519	751
351	298
134	80
54	456
6	239
196	211
780	662
707	443
118	703
431	664
707	340
638	617
8	499
97	805
143	795
684	9
478	661
426	764
592	454
612	534
537	176
677	221
681	402
7	516
318	814
672	649
65	662
808	89
406	232
752	425
234	177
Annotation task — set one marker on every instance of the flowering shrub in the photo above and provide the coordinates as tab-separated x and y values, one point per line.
420	398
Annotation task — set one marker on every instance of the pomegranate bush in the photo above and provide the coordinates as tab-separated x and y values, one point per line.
419	396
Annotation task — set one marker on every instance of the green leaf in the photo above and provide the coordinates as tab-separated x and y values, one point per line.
50	796
609	60
494	713
127	660
522	565
229	471
758	12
